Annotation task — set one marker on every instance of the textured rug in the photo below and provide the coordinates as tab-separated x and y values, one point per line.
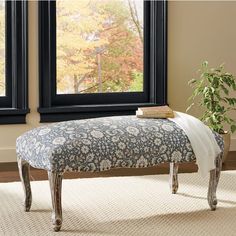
140	205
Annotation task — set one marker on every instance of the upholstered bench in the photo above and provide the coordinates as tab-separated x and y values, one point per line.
101	144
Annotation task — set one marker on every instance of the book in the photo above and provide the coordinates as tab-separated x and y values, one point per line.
155	112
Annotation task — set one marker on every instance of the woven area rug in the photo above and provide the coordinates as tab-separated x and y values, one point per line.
140	205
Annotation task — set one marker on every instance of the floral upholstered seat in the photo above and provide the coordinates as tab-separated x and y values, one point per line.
103	143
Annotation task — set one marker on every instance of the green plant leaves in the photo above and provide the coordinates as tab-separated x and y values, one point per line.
192	81
212	89
233	128
205	64
226	91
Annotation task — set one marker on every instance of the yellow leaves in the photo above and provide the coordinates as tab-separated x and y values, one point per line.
86	29
73	5
72	66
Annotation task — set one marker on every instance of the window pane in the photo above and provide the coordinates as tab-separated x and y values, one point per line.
2	48
99	46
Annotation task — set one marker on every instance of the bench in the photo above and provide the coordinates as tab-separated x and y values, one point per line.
101	144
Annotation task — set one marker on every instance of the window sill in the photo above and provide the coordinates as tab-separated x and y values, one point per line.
13	115
63	113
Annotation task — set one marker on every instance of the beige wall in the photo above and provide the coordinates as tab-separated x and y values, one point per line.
196	31
9	133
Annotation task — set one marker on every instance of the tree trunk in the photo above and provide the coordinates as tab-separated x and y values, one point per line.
76	84
99	73
134	16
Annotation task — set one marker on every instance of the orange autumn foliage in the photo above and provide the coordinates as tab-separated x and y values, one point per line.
98	47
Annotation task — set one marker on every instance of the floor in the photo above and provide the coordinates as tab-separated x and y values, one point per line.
9	171
123	206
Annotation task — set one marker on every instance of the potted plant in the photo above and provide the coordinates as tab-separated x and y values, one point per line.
213	92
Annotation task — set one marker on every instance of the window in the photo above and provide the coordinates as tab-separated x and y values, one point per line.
13	62
100	58
2	49
99	46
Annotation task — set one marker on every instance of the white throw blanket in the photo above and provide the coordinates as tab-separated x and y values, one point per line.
202	140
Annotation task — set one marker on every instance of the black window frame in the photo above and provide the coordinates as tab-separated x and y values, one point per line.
54	107
14	106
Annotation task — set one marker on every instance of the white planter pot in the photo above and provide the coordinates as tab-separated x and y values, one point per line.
226	137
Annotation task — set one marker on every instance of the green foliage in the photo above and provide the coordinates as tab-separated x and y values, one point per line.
137	84
213	89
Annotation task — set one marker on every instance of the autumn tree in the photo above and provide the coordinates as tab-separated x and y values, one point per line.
74	33
2	48
123	56
99	46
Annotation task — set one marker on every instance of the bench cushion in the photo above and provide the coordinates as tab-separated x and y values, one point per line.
104	143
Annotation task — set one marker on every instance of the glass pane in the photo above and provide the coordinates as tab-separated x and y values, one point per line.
99	46
2	48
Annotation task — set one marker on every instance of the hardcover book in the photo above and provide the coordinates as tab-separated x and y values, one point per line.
155	112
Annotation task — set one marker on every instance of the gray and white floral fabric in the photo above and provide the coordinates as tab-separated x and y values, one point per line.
104	143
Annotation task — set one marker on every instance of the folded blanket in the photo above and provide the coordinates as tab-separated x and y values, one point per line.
202	140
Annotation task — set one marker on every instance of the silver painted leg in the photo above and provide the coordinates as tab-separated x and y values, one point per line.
24	167
55	180
174	177
213	182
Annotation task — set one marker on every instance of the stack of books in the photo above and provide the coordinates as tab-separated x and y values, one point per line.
155	112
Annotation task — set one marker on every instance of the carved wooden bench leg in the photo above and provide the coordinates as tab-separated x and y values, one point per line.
55	180
213	182
24	167
174	177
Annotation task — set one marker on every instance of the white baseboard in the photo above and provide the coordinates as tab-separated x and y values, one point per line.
9	154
